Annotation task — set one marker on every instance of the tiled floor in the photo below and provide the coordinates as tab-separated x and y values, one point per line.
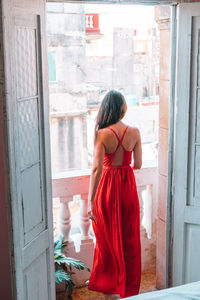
148	284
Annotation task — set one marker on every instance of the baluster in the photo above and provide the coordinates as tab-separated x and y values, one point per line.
147	210
64	220
91	25
87	243
84	219
140	190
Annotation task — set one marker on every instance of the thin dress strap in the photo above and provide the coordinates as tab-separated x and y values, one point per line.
115	134
123	135
119	140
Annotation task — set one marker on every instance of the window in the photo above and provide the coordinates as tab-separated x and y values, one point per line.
92	23
52	66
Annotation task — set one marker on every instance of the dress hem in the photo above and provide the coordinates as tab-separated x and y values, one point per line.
94	288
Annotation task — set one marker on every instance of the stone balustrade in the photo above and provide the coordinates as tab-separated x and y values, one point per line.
68	184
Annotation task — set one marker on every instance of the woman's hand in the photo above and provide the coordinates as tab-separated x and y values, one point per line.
91	215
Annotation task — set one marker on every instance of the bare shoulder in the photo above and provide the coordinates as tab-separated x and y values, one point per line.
134	131
99	135
103	134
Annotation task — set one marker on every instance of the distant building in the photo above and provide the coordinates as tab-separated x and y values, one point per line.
88	55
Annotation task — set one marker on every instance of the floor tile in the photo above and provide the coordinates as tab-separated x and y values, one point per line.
148	284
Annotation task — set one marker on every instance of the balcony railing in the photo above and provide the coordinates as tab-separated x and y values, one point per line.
66	187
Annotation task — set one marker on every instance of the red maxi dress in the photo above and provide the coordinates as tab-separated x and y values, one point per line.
117	257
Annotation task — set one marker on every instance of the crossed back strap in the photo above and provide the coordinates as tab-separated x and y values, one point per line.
119	152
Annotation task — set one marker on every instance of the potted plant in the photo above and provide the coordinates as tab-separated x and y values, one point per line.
63	266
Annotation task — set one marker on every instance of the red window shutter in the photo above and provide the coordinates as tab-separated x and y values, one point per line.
92	23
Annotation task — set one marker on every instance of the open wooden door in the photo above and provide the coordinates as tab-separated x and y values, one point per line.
27	115
186	243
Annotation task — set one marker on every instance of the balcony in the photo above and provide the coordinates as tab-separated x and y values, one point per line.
70	193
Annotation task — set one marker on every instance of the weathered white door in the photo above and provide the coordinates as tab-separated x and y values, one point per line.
186	249
27	117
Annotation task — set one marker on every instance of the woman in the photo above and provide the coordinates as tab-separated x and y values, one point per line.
113	201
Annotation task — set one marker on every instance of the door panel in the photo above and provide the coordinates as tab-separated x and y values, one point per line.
192	266
31	203
29	149
186	246
34	286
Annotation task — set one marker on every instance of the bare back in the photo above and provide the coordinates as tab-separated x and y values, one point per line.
119	138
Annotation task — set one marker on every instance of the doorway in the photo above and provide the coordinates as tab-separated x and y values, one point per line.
26	138
94	54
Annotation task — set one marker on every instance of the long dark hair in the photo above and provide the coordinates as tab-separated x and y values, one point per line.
110	111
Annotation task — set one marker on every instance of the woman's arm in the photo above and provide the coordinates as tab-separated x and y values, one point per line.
137	152
95	177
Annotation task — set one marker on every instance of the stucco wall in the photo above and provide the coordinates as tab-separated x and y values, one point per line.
5	276
162	15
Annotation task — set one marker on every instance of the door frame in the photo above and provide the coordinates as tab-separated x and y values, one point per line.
5	209
4	171
171	150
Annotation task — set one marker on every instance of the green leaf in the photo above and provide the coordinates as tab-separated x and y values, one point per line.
59	257
63	265
59	244
61	276
79	265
